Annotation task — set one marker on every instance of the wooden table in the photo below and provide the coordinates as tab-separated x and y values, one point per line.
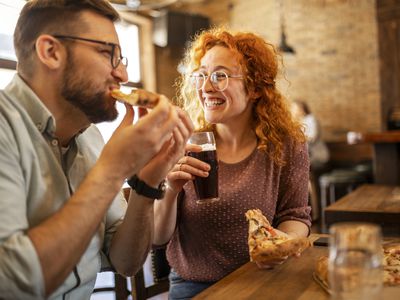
292	280
369	203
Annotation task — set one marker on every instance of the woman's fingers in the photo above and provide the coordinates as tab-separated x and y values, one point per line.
193	165
272	263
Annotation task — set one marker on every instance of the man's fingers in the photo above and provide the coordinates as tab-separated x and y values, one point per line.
142	111
193	148
128	118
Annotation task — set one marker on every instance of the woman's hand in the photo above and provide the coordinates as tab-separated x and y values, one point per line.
186	169
269	264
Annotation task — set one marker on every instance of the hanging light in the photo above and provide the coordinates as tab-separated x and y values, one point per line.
284	46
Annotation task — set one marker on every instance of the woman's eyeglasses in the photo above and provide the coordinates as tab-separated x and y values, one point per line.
219	80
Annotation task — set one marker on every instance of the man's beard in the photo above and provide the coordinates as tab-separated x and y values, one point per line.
83	95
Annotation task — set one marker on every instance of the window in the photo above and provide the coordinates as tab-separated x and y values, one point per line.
128	35
9	12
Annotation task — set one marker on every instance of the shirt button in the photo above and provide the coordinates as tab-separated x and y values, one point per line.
39	126
54	142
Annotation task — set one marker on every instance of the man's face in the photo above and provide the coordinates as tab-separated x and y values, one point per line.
88	75
85	94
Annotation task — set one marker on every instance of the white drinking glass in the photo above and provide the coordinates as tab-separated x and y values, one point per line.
355	261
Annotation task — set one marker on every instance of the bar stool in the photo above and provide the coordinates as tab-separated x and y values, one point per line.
335	185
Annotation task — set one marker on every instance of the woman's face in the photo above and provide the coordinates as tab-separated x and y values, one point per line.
232	104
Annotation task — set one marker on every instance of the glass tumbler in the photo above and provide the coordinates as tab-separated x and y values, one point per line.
206	187
355	261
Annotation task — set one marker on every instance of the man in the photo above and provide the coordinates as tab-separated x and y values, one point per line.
61	208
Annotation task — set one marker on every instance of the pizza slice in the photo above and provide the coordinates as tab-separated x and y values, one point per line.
134	98
265	244
391	266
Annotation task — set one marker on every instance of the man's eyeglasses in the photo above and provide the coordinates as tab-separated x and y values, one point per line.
116	54
219	80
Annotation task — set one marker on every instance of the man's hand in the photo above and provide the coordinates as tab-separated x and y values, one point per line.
172	150
133	145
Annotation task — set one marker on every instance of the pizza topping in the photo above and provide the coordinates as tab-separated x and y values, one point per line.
265	244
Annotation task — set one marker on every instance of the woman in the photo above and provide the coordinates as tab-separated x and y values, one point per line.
230	89
318	151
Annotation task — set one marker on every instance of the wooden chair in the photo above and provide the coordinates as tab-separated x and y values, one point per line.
120	288
160	271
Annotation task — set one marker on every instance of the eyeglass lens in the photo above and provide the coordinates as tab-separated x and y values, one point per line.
117	57
218	79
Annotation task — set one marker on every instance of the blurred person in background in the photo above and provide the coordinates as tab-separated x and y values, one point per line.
317	149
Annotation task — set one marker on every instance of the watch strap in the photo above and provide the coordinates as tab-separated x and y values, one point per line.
142	188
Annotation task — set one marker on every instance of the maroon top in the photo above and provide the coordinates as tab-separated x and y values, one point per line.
211	239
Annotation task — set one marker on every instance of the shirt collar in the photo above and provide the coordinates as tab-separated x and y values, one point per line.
19	91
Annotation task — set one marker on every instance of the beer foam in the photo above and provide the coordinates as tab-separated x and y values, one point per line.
208	147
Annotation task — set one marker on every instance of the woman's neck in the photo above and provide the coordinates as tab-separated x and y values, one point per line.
234	144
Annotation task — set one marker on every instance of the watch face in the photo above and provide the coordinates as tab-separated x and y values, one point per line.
163	187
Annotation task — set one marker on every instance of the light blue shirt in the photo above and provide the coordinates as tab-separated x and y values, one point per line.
36	180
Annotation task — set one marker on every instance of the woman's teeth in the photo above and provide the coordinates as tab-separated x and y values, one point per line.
211	103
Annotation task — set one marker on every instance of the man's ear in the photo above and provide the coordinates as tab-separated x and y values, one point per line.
50	51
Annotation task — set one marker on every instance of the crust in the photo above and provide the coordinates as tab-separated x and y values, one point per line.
289	247
392	248
321	269
133	99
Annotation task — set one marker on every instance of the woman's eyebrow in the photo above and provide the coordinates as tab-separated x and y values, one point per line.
219	67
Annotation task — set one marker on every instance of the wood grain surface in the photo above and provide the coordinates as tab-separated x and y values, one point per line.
291	280
369	203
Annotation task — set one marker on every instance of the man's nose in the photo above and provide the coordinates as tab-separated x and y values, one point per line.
121	73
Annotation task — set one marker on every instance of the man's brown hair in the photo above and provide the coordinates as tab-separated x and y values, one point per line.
52	17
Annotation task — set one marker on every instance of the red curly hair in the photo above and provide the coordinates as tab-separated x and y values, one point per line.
272	120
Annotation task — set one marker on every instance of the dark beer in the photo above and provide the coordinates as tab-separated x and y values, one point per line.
207	187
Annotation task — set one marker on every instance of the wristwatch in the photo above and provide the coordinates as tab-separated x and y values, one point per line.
142	188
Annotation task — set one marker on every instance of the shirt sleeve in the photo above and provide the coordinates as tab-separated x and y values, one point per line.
20	270
114	218
293	187
116	212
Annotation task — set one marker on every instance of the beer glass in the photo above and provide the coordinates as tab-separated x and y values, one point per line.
206	187
355	261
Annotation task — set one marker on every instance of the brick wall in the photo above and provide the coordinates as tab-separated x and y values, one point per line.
335	68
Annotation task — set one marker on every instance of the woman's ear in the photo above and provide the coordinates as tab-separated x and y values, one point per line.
49	51
254	95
